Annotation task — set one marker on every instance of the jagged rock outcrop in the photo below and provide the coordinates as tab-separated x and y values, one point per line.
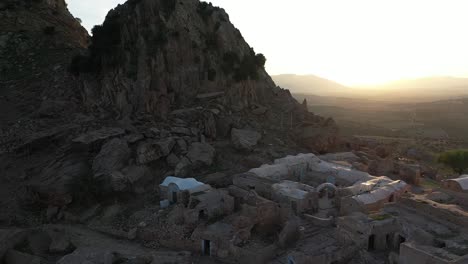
153	56
160	56
244	139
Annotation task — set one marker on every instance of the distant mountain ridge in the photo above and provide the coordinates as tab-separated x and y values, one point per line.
412	90
310	84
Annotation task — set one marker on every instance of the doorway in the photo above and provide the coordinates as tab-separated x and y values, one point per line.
401	240
291	260
294	207
206	247
174	197
371	243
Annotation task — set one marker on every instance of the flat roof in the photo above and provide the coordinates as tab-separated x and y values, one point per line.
183	184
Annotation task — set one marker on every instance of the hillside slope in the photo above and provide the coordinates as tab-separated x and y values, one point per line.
164	88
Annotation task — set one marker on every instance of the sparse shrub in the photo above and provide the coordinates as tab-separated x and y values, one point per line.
230	62
86	189
211	74
211	41
168	7
80	63
245	69
133	3
260	60
50	30
456	159
205	10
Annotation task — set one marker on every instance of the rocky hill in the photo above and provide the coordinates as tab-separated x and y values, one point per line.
163	87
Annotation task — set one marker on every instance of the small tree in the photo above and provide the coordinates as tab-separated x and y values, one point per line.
456	159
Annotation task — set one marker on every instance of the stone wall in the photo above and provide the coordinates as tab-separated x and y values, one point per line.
411	255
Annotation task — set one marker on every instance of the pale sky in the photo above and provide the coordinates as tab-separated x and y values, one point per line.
353	42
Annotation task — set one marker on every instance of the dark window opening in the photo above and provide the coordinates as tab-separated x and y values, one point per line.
439	244
388	240
174	197
401	240
202	214
371	243
294	206
391	199
206	247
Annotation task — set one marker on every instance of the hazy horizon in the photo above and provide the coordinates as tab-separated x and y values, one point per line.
378	83
360	43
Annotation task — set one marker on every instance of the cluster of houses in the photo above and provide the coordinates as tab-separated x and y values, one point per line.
327	210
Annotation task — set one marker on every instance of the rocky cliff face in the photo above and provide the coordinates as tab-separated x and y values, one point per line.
37	40
154	56
165	87
35	36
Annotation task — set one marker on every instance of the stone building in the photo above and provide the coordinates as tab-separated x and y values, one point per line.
299	197
208	205
458	185
174	189
253	182
371	197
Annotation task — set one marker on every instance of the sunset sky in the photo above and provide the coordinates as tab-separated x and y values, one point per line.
354	42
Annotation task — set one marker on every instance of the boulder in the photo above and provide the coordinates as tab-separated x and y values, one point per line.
136	173
98	135
209	125
181	131
172	160
439	197
410	173
16	257
129	176
60	244
223	126
54	180
244	139
260	110
118	181
134	138
151	150
38	243
182	145
183	168
201	154
51	212
113	156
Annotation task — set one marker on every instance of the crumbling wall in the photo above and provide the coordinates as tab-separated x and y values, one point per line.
250	181
409	254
